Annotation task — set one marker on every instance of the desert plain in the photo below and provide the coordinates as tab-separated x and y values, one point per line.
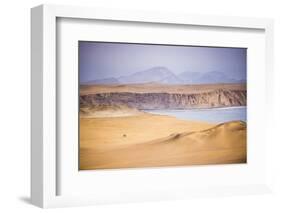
115	132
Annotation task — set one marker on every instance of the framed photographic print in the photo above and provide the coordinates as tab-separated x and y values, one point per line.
139	107
130	106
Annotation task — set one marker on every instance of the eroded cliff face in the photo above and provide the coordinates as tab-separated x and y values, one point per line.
216	98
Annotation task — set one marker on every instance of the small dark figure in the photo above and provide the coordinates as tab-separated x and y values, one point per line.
124	135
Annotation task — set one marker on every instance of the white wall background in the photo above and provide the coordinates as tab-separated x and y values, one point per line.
15	98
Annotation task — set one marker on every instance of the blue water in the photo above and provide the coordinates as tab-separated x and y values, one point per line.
215	115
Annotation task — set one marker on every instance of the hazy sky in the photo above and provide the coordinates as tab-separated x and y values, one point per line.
98	60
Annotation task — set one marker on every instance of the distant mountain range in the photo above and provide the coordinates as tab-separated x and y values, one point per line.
164	76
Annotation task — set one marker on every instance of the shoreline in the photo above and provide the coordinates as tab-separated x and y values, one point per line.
171	113
210	115
186	109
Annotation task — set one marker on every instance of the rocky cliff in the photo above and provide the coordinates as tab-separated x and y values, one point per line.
215	98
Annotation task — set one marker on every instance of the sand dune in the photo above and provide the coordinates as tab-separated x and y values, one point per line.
154	140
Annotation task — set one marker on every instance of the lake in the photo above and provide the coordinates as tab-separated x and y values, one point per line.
215	115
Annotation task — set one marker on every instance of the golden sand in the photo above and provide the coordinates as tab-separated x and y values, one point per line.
147	140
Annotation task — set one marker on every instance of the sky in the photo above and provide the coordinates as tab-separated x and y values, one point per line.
99	60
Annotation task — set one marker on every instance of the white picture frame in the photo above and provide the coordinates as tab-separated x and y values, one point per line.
44	153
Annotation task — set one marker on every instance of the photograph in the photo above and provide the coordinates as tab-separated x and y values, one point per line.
161	105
